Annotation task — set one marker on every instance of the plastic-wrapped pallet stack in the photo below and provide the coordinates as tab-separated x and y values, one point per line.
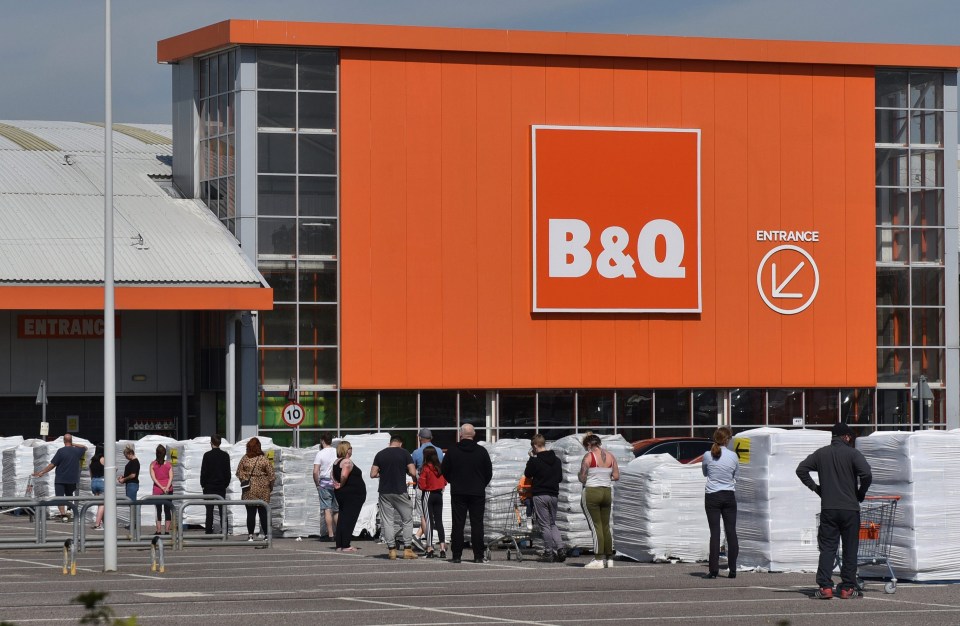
365	447
298	514
237	452
570	518
776	514
17	467
5	444
187	458
509	458
146	452
918	467
43	486
658	511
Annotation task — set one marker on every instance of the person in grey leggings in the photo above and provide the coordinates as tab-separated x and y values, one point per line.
545	473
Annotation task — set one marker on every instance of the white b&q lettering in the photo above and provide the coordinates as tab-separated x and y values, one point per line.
569	258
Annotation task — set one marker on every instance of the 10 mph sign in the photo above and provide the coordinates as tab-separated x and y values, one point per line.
293	414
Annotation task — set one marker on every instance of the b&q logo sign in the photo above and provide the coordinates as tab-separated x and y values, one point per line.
616	220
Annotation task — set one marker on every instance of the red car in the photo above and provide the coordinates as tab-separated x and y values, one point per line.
683	449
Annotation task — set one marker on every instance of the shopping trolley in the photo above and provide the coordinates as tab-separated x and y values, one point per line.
877	515
508	524
28	493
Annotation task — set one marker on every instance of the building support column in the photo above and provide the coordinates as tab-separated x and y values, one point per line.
230	382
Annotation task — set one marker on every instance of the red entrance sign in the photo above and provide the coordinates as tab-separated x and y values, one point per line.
62	326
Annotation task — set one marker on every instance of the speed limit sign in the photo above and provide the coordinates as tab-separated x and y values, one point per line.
293	414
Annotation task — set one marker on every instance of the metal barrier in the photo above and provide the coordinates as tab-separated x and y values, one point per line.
156	554
79	542
69	557
222	538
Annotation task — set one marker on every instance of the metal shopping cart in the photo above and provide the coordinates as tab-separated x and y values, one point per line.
877	515
508	524
28	493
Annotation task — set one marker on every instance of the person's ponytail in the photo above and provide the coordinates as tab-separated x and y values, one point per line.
721	437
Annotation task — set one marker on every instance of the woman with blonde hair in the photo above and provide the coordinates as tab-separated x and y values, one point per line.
351	492
598	470
255	472
720	466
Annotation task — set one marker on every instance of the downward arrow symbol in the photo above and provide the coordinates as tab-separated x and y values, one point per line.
777	290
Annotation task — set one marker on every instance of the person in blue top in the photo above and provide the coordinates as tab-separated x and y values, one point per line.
720	466
425	437
66	460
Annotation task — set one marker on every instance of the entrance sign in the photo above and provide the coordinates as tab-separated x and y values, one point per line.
788	279
616	220
293	414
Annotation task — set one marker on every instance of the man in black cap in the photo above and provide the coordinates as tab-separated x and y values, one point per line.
844	479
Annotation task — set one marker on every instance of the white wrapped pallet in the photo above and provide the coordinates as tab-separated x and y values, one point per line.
365	447
239	526
508	458
298	514
5	444
776	514
918	467
44	486
18	464
658	512
187	458
570	517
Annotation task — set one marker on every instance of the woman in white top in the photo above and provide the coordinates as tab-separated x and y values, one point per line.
720	466
598	470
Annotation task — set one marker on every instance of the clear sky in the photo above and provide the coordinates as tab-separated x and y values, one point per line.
51	51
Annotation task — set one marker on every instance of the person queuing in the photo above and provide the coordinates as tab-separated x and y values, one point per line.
468	469
96	483
545	473
66	461
351	493
431	484
845	477
598	470
214	480
161	471
322	478
255	471
392	465
131	478
425	438
721	465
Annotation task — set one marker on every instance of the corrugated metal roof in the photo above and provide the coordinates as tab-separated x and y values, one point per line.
74	137
51	212
141	134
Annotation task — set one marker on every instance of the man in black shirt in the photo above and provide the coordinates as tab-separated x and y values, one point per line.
468	469
392	465
214	479
545	473
840	467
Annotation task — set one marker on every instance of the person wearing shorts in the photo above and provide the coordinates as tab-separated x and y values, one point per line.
323	479
67	463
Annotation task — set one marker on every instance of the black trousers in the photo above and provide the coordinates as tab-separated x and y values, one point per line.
435	510
252	512
208	526
461	505
722	504
347	519
838	526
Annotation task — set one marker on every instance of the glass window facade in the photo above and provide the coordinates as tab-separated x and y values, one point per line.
217	88
298	236
910	238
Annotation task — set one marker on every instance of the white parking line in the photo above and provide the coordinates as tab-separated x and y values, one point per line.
445	611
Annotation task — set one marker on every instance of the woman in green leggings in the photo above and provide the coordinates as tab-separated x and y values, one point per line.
598	470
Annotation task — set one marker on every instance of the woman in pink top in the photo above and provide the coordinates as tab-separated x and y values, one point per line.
162	474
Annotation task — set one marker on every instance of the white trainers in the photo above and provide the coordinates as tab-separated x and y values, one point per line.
249	537
594	564
608	563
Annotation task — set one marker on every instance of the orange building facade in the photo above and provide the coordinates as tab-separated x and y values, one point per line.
563	232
